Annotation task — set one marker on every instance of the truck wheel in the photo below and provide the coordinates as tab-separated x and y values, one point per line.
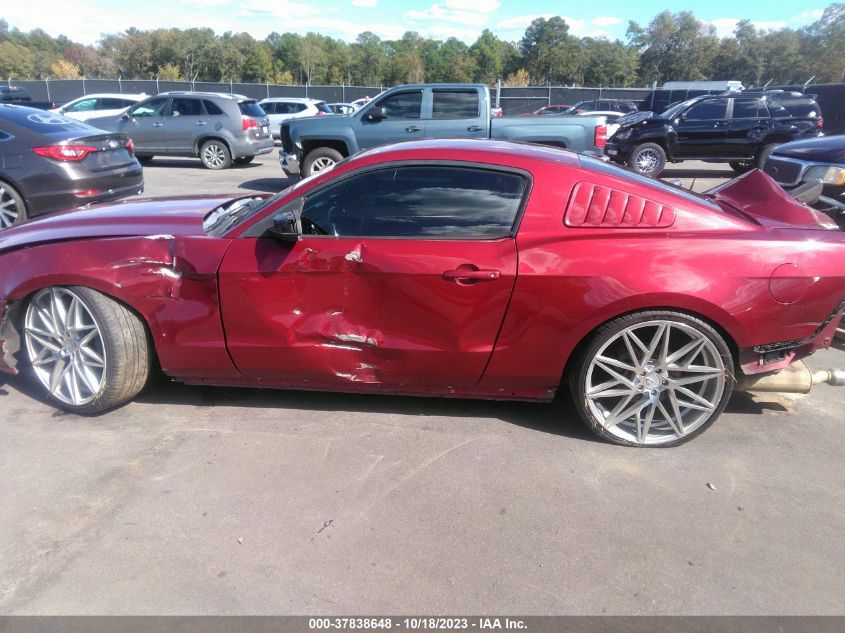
653	378
12	206
319	160
89	352
741	166
648	159
215	155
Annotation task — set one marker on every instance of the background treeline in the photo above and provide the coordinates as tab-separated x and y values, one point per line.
672	46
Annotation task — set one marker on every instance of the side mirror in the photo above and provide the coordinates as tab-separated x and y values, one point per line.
376	114
126	116
285	226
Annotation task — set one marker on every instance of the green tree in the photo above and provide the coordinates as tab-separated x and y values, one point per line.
550	54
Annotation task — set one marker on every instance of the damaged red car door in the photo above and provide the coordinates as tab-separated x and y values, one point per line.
402	276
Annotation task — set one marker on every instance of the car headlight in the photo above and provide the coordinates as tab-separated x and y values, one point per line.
828	174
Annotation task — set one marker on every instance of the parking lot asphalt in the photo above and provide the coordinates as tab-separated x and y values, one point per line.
195	500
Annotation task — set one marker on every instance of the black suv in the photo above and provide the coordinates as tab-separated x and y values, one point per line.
738	129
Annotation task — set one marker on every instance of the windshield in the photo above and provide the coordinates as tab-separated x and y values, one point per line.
672	111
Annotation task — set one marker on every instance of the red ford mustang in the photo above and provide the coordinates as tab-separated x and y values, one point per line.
449	268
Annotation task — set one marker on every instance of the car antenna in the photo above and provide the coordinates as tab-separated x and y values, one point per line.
807	83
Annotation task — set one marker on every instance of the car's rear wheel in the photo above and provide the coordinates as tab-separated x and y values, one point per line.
320	159
648	159
89	352
12	206
655	378
144	159
741	166
215	155
244	160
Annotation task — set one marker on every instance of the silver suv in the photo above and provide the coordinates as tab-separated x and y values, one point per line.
220	129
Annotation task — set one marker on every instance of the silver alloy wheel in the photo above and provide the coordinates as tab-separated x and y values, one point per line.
65	346
648	160
322	163
8	208
655	382
214	155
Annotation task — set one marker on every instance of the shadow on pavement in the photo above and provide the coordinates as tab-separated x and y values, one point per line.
270	185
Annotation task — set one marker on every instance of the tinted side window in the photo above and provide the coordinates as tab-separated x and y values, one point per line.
153	107
746	108
186	107
708	110
404	105
423	201
796	107
108	103
86	105
269	108
211	108
455	104
251	108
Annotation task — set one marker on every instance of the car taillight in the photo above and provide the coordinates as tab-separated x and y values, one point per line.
247	124
820	123
130	147
319	113
65	152
600	138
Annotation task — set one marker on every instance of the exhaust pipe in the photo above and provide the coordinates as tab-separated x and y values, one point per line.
796	378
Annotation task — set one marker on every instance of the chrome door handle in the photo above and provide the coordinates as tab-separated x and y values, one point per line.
413	128
474	128
158	124
200	123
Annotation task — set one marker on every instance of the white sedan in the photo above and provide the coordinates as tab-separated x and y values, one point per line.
97	105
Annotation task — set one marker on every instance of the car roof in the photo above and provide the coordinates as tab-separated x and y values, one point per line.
468	150
290	100
191	93
113	95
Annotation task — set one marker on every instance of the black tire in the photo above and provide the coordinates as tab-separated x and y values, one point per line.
323	157
648	159
125	346
12	206
214	154
144	159
605	342
741	166
244	160
763	154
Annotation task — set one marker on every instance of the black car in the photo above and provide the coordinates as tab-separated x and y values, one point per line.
819	159
738	129
50	163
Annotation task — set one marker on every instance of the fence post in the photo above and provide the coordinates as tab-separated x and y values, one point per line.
599	91
47	84
549	98
120	84
343	92
83	85
231	87
268	89
499	92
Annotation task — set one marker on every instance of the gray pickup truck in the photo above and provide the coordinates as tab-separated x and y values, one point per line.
411	112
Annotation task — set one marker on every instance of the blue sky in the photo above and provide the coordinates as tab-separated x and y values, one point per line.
86	20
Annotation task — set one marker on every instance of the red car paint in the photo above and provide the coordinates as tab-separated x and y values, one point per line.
380	315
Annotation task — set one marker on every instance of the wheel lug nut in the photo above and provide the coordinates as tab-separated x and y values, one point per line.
654	393
665	382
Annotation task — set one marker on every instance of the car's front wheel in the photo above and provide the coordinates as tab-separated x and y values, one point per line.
654	378
320	159
215	155
648	159
12	206
741	166
89	352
